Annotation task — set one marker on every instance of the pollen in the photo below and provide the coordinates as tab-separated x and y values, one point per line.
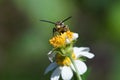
58	41
64	60
69	34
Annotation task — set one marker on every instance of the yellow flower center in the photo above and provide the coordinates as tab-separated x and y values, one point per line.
60	40
63	60
69	34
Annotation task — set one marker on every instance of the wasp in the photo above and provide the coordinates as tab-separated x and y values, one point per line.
59	26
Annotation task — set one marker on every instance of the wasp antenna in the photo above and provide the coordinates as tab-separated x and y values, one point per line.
66	19
48	21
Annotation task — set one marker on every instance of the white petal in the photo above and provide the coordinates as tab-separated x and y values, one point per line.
87	54
56	74
51	56
77	51
49	52
82	51
50	67
81	66
67	41
75	36
66	73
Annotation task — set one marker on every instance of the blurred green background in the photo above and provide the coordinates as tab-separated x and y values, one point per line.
24	40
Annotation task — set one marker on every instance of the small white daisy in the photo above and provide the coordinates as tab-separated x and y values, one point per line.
63	66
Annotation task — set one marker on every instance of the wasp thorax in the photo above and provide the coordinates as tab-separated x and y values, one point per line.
60	28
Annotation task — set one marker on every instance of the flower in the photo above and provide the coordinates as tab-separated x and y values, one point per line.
63	66
58	40
63	39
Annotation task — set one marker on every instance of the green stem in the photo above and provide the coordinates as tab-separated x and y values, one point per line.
77	73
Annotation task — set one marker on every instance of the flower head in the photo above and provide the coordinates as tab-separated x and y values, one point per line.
64	60
63	65
63	39
58	41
